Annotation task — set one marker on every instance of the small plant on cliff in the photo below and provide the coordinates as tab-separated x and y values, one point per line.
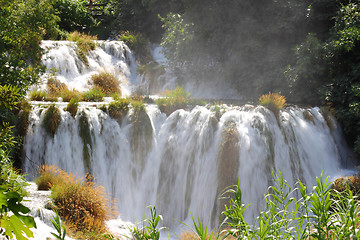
176	99
137	42
107	82
93	95
118	109
273	101
51	119
85	44
72	107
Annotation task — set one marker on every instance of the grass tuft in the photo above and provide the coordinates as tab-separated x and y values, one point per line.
79	201
118	109
273	101
107	82
93	95
51	119
85	43
72	107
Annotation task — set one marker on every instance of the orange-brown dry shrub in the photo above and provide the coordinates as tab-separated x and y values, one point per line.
273	101
48	176
81	203
107	82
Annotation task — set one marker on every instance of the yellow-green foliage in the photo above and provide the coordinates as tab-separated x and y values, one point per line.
137	42
38	95
137	106
67	95
72	107
272	101
118	109
84	43
48	176
93	95
107	82
51	119
176	99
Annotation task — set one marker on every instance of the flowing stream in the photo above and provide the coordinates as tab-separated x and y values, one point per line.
181	162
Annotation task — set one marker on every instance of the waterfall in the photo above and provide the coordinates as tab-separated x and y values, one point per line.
180	162
183	162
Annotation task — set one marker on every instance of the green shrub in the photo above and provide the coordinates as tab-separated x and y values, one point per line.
118	109
322	213
23	118
85	43
72	107
93	95
38	95
51	119
136	42
176	99
68	95
137	106
107	82
151	230
273	101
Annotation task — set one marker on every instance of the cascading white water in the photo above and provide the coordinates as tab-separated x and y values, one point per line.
176	161
115	57
181	162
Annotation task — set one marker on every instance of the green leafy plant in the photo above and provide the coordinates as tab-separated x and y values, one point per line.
18	224
137	42
321	214
51	119
61	230
151	230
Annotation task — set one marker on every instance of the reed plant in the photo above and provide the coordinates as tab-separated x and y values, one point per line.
273	101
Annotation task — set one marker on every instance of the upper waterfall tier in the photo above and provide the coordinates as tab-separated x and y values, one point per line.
184	161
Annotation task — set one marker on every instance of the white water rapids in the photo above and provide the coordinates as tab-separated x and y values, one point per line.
181	162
